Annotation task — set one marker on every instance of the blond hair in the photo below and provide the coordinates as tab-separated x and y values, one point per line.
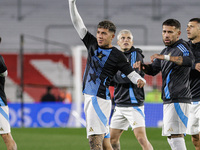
124	31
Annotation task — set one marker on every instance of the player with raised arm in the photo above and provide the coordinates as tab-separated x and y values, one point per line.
103	62
129	99
175	63
193	34
4	110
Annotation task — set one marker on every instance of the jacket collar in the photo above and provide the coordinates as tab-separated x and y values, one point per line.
176	43
134	49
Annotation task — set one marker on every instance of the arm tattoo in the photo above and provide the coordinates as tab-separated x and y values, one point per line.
178	60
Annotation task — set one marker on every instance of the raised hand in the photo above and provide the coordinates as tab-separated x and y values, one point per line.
197	67
140	83
137	65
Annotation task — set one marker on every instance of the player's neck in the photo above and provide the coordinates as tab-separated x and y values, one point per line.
110	46
107	46
196	40
125	50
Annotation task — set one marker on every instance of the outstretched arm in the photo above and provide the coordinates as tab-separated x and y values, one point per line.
179	60
76	19
137	79
150	69
176	59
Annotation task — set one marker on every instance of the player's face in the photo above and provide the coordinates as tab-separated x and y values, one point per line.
193	30
125	42
104	37
170	35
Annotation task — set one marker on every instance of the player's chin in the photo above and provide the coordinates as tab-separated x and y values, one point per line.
100	43
103	45
126	48
167	43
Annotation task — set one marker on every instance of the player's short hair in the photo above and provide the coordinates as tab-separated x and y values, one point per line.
107	25
124	31
172	22
195	19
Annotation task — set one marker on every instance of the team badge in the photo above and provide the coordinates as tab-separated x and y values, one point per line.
100	55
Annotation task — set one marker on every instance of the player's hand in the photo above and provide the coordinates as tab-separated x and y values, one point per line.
157	56
72	1
137	65
197	67
140	83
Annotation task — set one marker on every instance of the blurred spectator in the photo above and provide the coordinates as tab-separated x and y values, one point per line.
65	96
48	96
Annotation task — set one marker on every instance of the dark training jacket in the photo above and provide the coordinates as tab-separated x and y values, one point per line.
194	74
126	93
102	65
3	68
175	78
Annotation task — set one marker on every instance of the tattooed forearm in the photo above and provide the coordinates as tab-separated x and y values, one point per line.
177	60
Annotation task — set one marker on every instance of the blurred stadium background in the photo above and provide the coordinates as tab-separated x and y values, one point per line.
41	48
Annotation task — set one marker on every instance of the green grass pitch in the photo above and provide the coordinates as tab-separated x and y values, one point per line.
75	139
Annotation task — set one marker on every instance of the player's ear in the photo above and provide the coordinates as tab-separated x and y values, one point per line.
113	36
179	32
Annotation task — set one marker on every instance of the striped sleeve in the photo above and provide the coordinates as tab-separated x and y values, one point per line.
188	57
